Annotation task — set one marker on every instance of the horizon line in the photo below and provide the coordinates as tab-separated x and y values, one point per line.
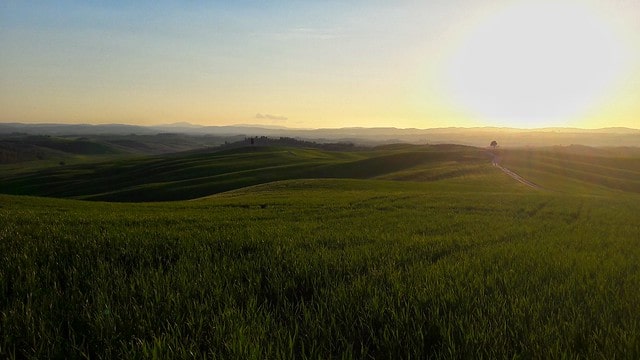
282	127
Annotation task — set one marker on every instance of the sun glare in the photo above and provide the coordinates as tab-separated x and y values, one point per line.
535	65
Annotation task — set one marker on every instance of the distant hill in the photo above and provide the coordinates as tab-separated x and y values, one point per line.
21	147
74	129
481	136
15	149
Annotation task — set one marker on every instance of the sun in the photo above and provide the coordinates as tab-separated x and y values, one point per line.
534	65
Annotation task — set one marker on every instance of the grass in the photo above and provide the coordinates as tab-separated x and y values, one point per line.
191	175
396	252
562	170
16	148
482	268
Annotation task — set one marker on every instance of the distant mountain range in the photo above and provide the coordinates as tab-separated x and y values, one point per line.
480	136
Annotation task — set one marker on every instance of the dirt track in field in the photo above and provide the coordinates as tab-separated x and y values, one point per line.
496	162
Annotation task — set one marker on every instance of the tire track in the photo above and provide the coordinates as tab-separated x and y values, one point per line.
496	162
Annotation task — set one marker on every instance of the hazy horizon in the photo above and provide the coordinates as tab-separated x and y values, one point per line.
329	65
275	126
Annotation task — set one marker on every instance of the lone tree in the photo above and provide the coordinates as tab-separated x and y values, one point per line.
494	144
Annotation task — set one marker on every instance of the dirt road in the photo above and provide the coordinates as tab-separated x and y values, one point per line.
496	162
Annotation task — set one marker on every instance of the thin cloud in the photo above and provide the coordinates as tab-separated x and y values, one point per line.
271	117
303	34
313	33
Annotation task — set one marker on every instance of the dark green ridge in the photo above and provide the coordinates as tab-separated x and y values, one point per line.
192	174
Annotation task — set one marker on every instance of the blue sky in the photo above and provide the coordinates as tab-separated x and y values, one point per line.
317	64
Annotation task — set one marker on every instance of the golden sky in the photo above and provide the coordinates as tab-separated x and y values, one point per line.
311	64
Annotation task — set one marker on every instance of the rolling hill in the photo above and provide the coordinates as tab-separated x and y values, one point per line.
479	136
577	169
19	148
195	174
399	251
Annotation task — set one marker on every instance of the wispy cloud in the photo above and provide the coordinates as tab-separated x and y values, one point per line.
313	33
303	33
271	117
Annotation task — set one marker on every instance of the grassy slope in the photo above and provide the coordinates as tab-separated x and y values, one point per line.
191	175
471	265
20	153
566	170
20	149
325	268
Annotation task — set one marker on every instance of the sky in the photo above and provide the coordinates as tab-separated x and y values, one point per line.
322	64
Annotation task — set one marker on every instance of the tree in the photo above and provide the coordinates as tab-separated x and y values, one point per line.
494	144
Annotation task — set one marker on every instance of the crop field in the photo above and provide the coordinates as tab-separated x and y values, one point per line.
586	171
401	257
190	175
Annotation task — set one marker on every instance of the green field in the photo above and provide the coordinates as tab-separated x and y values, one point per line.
578	169
190	175
395	252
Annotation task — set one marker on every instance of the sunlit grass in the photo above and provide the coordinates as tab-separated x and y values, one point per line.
196	174
324	268
577	173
